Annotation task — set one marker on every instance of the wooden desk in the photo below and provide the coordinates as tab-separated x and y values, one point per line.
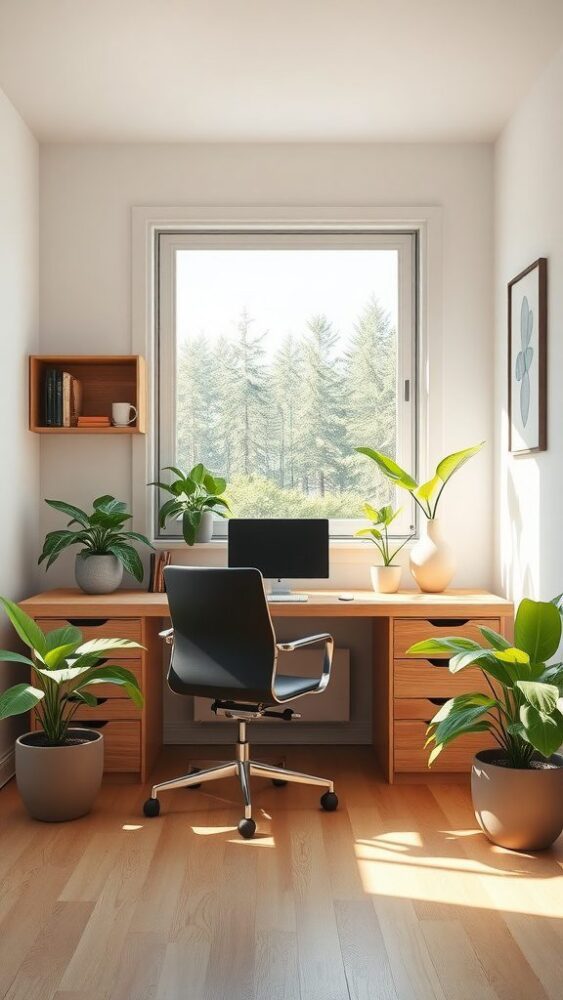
406	691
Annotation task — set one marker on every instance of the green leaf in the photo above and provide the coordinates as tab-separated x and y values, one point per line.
129	557
19	699
496	640
60	653
511	655
537	629
7	656
544	697
390	469
544	732
469	658
372	514
55	543
101	646
176	470
429	647
162	486
191	520
113	674
109	505
63	636
75	513
427	490
137	537
169	509
197	474
83	696
373	532
452	463
461	701
28	631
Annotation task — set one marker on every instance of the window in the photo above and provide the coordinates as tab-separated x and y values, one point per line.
280	352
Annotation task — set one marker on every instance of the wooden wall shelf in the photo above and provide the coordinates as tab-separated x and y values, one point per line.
105	379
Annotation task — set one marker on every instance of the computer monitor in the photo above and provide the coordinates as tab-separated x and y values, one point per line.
292	548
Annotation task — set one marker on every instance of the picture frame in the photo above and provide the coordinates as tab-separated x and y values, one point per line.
527	360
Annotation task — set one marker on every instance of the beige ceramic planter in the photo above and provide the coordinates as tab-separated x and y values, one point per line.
59	783
385	579
518	809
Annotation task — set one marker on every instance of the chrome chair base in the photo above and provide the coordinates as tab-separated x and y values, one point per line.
244	768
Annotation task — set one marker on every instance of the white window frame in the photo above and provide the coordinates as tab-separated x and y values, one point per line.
428	382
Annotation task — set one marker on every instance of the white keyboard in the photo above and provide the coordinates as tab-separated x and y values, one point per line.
287	598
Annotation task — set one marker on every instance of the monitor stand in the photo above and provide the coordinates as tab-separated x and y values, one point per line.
281	594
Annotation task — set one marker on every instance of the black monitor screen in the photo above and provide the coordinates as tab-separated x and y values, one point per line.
279	548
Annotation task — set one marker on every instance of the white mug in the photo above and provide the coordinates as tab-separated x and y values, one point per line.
120	414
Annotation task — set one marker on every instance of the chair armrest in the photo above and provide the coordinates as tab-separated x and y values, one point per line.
314	640
167	635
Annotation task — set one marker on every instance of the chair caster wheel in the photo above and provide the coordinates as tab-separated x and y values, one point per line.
247	828
279	783
151	807
329	801
194	770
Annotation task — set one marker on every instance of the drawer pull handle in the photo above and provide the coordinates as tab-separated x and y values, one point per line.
448	622
438	701
85	622
92	723
438	663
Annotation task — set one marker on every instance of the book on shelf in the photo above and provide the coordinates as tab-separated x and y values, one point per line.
62	398
94	422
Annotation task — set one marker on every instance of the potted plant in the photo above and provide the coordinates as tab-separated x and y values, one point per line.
106	547
196	497
517	787
59	767
431	560
385	579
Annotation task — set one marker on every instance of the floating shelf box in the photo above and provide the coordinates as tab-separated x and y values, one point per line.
105	379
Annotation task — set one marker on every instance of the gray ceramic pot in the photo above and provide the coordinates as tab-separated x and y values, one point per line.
59	783
205	531
98	574
518	809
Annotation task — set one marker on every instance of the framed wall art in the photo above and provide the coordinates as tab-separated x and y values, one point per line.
527	359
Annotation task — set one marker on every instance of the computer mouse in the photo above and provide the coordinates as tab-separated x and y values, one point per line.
345	597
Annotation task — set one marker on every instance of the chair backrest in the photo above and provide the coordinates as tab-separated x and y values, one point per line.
224	642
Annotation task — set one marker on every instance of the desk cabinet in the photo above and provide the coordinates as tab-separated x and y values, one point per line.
132	735
418	688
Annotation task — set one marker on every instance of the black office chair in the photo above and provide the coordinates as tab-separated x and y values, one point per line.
224	648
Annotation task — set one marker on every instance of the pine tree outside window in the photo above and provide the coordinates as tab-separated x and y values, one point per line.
278	353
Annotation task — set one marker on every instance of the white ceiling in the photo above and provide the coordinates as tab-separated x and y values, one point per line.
272	70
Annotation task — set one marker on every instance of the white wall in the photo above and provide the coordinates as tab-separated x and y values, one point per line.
528	225
87	193
19	452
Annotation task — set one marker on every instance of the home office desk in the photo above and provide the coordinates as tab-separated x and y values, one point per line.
406	691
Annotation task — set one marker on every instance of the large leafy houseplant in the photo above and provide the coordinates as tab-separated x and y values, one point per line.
100	533
64	670
426	495
192	495
523	709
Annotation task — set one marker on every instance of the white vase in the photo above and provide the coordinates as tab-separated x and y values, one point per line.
98	574
204	532
385	579
432	562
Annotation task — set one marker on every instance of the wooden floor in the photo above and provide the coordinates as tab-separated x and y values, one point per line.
394	896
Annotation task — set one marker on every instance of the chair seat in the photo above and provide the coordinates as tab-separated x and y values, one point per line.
286	686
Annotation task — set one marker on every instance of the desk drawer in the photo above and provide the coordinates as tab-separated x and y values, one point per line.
122	744
100	628
110	708
410	755
410	630
431	679
115	690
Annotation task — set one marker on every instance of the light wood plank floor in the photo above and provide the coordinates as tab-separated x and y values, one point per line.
396	896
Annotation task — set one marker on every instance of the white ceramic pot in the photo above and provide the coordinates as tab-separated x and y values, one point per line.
432	562
385	579
98	574
205	531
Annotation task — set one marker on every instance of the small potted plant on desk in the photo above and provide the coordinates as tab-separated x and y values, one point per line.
517	787
59	767
385	579
106	546
196	497
431	560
